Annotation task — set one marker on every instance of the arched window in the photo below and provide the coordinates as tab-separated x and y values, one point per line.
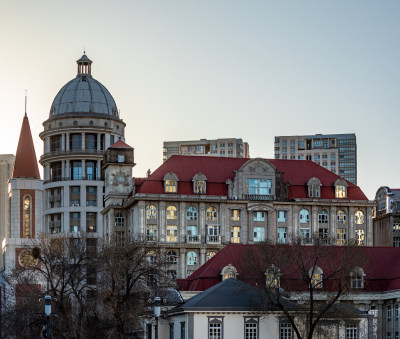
27	216
273	277
229	272
314	188
304	216
323	217
152	257
199	183
316	275
359	216
340	189
171	183
211	214
191	213
341	217
209	255
151	212
357	278
191	258
119	220
172	258
171	212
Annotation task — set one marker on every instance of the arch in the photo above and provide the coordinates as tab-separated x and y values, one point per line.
27	216
172	258
304	215
172	212
151	257
341	217
211	214
151	212
191	213
359	217
191	258
314	188
323	217
229	271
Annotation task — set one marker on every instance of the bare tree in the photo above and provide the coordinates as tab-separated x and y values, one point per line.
315	276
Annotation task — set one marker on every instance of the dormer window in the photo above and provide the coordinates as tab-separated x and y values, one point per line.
340	189
314	188
229	272
316	277
170	183
199	183
273	277
357	278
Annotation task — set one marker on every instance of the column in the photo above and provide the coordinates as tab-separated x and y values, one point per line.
249	213
368	227
295	218
162	221
182	222
63	142
224	225
106	141
98	141
350	227
314	220
67	143
98	170
332	222
182	263
83	140
84	170
202	256
62	169
202	222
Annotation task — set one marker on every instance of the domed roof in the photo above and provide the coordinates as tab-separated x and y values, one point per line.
84	95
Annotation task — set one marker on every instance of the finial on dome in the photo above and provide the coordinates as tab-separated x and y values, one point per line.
84	65
26	101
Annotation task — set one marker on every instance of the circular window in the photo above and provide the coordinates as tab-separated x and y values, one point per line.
90	123
75	123
60	124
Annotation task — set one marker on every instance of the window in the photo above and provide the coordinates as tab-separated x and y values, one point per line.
75	141
192	230
209	255
191	258
151	257
183	335
259	234
91	170
341	236
172	258
235	215
316	277
91	221
75	170
171	331
211	214
258	186
172	233
258	216
75	221
151	233
396	241
389	313
351	331
341	217
282	235
360	237
340	191
285	330
119	220
314	187
251	328
282	216
235	235
191	213
120	238
304	216
55	143
91	196
323	217
27	216
199	186
396	226
273	277
121	158
389	335
215	330
323	234
75	195
171	186
171	212
229	271
305	235
151	212
359	216
357	278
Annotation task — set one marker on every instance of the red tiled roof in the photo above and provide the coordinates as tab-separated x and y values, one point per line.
382	268
219	169
120	144
25	165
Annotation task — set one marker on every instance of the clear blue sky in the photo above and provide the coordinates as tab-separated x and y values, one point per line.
205	69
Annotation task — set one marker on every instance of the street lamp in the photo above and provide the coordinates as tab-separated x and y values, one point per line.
47	308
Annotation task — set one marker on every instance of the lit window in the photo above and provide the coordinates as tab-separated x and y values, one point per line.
172	258
171	212
199	186
323	217
151	212
316	277
235	215
357	278
191	258
304	216
341	236
211	214
340	191
170	186
172	233
341	217
259	234
210	254
259	186
282	235
191	213
360	237
258	216
235	235
27	217
229	272
359	216
273	277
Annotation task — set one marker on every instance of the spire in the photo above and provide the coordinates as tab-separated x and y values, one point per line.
25	164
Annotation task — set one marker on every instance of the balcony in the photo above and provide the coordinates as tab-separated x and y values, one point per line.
193	239
262	197
71	152
213	239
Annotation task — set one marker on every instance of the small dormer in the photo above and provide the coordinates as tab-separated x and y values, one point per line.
314	188
340	189
171	183
229	271
199	183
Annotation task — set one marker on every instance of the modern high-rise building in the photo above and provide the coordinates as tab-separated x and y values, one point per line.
229	147
335	152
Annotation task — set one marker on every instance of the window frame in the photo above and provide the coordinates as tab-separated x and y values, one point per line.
218	323
251	321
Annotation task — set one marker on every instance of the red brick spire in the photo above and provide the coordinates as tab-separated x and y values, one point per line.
25	165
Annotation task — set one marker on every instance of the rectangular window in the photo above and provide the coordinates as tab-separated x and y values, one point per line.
90	221
258	216
305	234
170	186
389	313
360	237
341	236
235	215
259	234
282	216
120	238
183	328
389	335
151	233
323	234
396	241
75	170
235	235
259	186
200	186
251	329
91	196
75	221
171	331
282	235
172	233
215	328
75	196
285	331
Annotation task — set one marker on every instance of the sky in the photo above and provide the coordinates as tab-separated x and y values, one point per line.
186	70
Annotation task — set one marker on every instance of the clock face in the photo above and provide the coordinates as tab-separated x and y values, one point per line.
26	259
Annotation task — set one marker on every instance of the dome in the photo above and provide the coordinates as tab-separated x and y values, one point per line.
84	95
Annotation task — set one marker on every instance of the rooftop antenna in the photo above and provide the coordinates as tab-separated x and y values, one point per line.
26	101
